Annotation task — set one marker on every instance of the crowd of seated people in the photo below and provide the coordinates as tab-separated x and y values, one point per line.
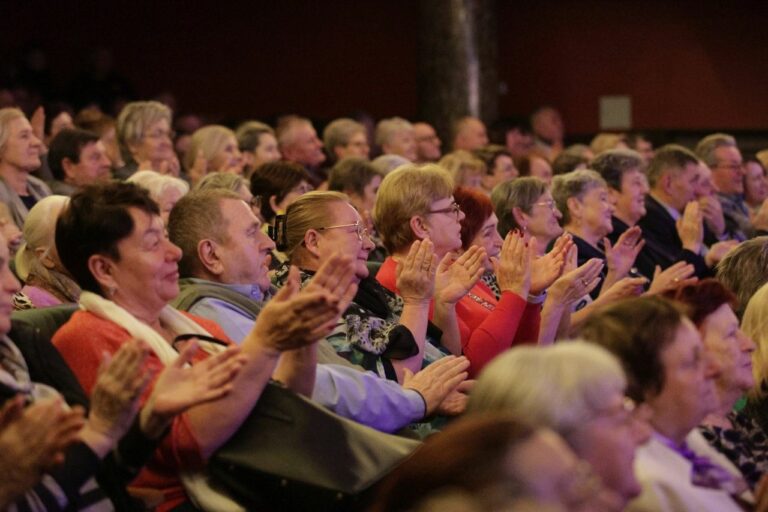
566	328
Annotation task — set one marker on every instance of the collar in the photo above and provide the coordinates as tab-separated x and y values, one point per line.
672	211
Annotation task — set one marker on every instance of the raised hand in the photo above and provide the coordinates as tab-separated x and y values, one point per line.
513	267
416	273
718	251
690	227
576	283
621	257
180	386
549	267
199	168
37	121
675	276
456	276
621	289
712	212
438	380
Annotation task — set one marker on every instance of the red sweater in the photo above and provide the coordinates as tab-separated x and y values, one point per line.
487	327
82	341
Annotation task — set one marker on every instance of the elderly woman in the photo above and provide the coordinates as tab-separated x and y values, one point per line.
671	374
380	332
733	433
417	203
755	184
46	283
163	189
465	169
257	144
19	156
577	390
9	230
213	148
146	139
491	462
112	240
744	270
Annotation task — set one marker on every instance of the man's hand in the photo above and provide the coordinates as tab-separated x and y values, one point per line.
438	381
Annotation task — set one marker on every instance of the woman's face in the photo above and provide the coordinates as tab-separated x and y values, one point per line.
367	201
544	220
345	233
146	277
608	442
156	145
296	192
8	286
22	149
443	225
730	347
688	392
755	184
489	239
595	211
630	202
266	151
541	169
228	158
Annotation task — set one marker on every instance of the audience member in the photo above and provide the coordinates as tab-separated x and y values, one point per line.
395	136
94	120
605	141
755	185
9	230
344	138
213	148
469	134
387	163
77	158
569	160
744	270
642	144
548	131
257	144
146	139
499	166
711	209
465	169
536	166
427	143
298	143
514	134
164	190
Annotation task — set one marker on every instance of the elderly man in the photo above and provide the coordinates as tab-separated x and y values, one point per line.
469	134
427	143
224	265
346	138
77	158
720	152
298	143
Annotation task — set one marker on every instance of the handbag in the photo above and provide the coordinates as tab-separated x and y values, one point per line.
291	454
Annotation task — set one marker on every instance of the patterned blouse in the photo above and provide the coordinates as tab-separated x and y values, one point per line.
746	445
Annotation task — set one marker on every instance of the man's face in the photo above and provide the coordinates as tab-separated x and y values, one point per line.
356	147
683	185
427	143
305	148
549	125
93	166
472	135
245	253
728	171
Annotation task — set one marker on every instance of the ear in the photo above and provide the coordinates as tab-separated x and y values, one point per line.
67	166
312	242
209	258
419	227
101	267
521	218
665	182
614	195
44	258
574	207
273	204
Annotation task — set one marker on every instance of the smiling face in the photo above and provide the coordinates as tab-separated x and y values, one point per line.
155	146
682	186
245	251
755	184
594	211
93	166
343	237
22	149
10	285
489	239
544	220
728	170
146	277
630	202
730	347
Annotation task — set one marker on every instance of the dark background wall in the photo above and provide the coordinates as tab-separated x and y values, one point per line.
690	66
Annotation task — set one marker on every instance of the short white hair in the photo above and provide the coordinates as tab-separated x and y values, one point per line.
560	387
157	183
388	128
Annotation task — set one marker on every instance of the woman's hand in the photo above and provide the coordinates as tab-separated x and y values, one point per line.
180	387
550	266
455	277
513	267
621	289
576	283
416	273
675	276
622	256
115	398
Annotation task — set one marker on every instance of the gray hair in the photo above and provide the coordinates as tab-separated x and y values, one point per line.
559	387
339	131
157	183
222	180
134	120
706	147
387	163
612	165
387	128
573	184
744	270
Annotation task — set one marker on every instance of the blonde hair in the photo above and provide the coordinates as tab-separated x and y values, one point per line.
134	120
755	325
462	164
157	183
210	140
39	233
560	387
407	191
6	116
310	211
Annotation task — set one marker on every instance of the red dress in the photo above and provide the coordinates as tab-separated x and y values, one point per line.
82	342
487	326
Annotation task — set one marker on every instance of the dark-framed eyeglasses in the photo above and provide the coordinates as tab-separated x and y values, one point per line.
454	208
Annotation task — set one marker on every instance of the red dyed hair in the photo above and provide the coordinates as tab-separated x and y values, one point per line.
477	207
703	298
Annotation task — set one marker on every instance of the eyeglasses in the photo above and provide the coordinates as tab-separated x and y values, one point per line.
360	230
549	204
454	208
731	166
161	134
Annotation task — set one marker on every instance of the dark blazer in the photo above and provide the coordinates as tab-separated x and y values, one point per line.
663	246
